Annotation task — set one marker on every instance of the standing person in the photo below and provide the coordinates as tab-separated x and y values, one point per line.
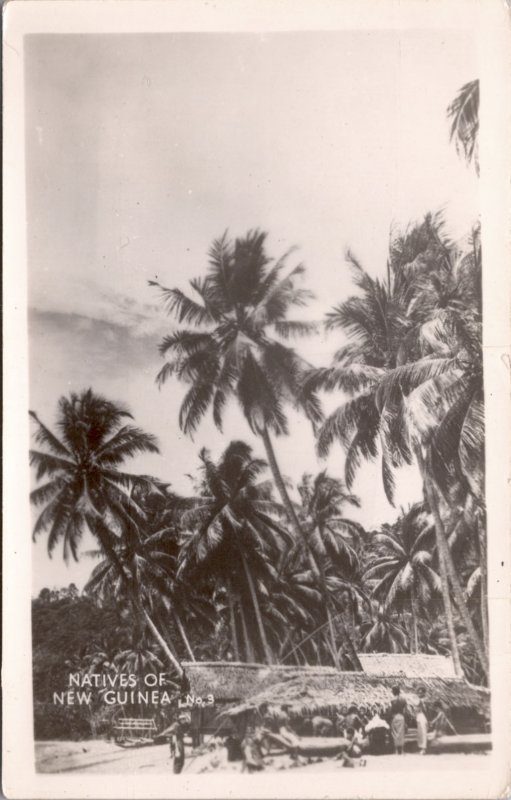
177	742
252	753
422	723
397	720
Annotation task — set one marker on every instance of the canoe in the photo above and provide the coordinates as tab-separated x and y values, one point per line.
312	745
461	741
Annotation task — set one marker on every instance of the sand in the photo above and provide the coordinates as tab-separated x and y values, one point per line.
107	758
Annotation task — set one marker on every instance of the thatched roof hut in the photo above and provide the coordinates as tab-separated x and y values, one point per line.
323	690
326	694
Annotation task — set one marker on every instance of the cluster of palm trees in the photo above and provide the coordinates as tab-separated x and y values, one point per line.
265	572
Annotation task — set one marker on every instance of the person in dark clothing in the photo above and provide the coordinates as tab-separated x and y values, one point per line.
397	720
252	753
353	719
177	742
233	747
377	729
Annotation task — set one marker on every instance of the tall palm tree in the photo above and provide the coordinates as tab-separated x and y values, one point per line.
464	116
237	348
405	334
86	489
233	533
443	399
334	540
401	569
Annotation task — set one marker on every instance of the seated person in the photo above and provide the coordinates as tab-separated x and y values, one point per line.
354	750
363	714
322	726
377	733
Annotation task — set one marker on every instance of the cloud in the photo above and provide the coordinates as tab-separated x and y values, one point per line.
90	303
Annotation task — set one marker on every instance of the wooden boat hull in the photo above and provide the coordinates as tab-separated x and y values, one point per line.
468	742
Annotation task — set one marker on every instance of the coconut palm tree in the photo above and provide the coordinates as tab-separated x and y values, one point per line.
138	659
401	569
333	537
296	605
86	489
376	328
334	540
381	632
233	532
405	343
150	559
443	399
464	115
236	347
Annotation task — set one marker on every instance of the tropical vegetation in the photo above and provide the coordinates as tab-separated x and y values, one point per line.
246	566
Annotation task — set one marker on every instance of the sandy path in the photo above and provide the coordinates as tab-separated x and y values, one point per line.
99	757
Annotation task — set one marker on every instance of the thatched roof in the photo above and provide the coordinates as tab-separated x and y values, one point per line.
310	690
307	695
413	665
231	681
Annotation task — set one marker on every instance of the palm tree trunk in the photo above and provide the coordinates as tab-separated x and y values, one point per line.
353	628
481	538
444	580
295	524
97	527
166	632
257	609
415	631
249	650
333	641
234	633
163	644
459	597
300	533
184	637
281	487
431	495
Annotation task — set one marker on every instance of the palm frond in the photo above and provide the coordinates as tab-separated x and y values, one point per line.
185	309
464	115
43	435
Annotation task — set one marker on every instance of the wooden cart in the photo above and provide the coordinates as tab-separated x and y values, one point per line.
132	732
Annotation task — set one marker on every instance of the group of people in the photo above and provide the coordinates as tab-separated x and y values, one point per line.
371	728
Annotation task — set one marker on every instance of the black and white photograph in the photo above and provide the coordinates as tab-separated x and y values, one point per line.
257	504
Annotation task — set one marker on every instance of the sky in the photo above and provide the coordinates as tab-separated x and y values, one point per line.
141	149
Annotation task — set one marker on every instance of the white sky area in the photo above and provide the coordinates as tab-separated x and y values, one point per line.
143	148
